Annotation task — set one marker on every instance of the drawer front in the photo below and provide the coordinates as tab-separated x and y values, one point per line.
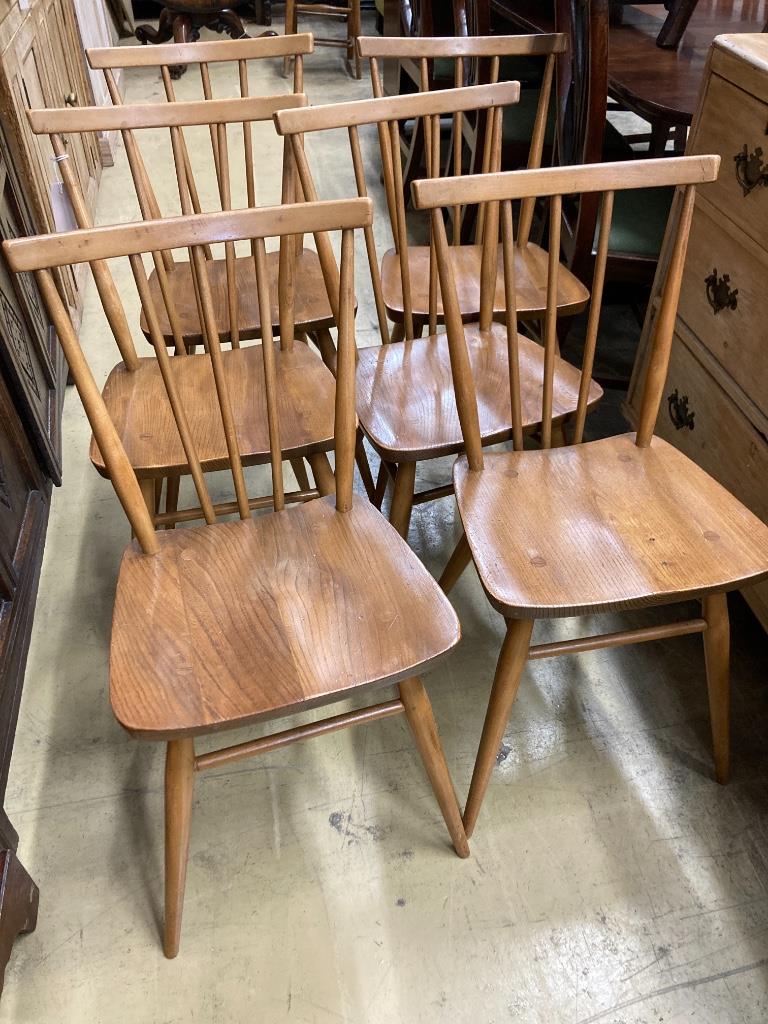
733	123
701	420
724	300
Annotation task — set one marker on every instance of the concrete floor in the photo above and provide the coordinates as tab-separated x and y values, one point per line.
611	879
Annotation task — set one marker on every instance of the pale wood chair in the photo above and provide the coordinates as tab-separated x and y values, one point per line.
599	526
349	13
232	623
135	385
405	402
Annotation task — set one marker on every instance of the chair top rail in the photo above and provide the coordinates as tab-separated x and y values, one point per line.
84	246
396	108
179	113
618	175
461	46
103	57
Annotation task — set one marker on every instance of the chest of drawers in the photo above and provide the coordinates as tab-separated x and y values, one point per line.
716	408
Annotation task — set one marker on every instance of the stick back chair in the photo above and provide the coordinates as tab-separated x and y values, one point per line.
350	13
598	526
175	292
405	404
238	622
476	59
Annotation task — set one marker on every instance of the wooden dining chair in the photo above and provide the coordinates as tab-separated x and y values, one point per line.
348	12
135	384
599	526
232	623
475	59
405	397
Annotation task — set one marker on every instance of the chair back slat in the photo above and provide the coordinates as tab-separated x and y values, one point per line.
370	242
169	380
593	321
536	151
270	376
216	51
42	254
438	195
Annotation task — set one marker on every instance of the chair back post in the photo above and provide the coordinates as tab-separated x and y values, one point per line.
345	422
663	332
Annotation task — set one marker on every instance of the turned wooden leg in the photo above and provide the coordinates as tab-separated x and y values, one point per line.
322	472
387	472
398	333
509	670
402	499
457	563
717	652
172	497
147	486
179	783
418	710
300	472
363	465
324	340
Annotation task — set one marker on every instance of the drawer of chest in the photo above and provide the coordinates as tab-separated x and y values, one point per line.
733	123
724	300
700	419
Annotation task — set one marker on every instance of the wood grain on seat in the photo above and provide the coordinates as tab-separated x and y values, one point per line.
530	282
312	310
139	408
406	403
602	526
242	621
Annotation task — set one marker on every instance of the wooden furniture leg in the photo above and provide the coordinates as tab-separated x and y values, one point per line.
402	499
418	710
172	496
509	671
179	784
457	563
300	472
354	29
717	643
290	29
324	341
675	23
148	494
364	466
322	472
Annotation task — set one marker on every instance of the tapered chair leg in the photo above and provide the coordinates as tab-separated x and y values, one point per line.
325	481
402	499
179	784
172	496
300	472
717	651
324	341
398	333
363	465
457	563
418	710
509	671
290	28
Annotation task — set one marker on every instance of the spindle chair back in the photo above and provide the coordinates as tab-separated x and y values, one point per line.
405	398
469	60
230	623
596	526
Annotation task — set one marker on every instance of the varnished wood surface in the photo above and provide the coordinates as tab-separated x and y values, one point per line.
406	402
530	282
206	52
138	404
604	526
242	621
312	309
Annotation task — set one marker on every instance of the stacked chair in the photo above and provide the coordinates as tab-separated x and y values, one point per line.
245	619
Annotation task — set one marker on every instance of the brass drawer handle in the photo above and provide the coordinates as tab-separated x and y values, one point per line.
719	293
750	169
679	412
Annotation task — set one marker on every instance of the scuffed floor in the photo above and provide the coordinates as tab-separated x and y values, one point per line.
611	880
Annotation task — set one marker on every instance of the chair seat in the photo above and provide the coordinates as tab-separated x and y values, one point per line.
311	312
241	621
406	403
530	283
138	405
603	526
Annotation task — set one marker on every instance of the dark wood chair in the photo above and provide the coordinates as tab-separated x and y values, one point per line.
609	525
233	623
